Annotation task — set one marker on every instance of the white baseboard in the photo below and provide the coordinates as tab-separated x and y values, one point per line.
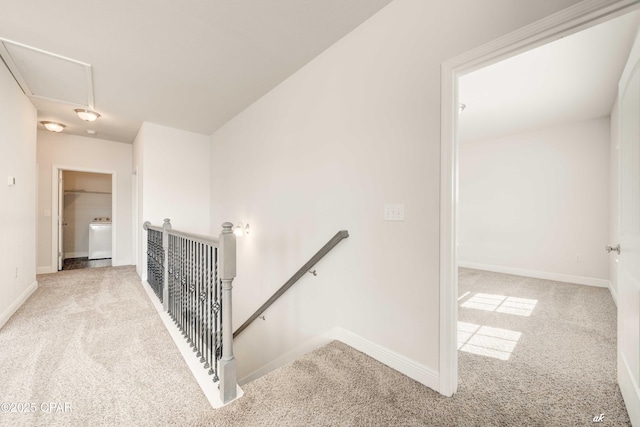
579	280
630	390
45	270
76	254
410	368
614	293
209	388
6	315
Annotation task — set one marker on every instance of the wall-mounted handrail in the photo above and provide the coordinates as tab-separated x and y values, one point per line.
343	234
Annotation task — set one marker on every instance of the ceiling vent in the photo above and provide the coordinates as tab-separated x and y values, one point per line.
44	75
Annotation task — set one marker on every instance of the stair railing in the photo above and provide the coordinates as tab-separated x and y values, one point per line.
306	268
192	277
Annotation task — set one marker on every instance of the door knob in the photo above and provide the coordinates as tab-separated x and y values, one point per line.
610	248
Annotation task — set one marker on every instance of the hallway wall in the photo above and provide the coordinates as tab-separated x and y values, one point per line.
17	201
353	130
83	153
173	174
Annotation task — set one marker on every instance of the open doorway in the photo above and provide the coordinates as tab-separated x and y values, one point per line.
84	227
553	28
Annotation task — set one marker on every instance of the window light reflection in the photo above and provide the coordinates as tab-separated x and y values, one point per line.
487	341
501	304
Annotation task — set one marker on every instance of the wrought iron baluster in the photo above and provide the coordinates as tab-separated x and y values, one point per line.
174	277
196	323
190	293
169	278
183	287
200	308
210	308
217	332
207	276
186	289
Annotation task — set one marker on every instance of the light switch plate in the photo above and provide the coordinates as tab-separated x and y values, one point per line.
394	212
11	181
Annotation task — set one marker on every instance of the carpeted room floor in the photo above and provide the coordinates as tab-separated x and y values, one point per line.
92	339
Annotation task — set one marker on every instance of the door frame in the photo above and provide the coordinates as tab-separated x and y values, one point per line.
55	209
561	24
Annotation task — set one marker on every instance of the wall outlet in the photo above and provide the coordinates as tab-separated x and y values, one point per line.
16	272
577	258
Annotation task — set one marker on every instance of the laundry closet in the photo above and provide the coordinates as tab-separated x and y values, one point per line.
87	225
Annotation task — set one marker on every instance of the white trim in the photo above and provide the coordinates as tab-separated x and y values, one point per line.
54	210
565	22
76	254
209	388
10	311
44	270
566	278
448	361
290	356
410	368
614	293
630	390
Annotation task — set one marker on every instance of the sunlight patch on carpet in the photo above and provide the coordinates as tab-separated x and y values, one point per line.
501	304
487	341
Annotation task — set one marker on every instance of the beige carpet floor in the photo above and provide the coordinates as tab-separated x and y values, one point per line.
91	338
547	358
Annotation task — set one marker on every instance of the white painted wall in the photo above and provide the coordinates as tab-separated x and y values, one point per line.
85	154
17	202
534	201
354	129
138	219
173	173
87	196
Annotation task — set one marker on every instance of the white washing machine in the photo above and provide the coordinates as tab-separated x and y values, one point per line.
100	238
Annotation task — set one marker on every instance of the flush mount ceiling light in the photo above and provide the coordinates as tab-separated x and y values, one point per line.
53	126
87	115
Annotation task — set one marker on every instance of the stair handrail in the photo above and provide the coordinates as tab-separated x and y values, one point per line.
342	234
192	321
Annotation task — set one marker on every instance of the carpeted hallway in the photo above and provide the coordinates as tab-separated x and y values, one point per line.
91	338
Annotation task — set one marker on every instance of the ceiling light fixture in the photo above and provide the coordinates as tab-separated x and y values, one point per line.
87	115
53	126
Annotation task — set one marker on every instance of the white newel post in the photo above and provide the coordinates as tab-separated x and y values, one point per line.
227	265
165	249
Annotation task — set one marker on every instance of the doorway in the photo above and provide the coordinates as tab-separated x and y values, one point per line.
83	232
555	27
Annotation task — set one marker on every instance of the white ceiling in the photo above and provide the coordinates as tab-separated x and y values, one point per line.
570	80
189	64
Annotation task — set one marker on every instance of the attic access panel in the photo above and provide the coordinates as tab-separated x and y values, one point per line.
48	76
